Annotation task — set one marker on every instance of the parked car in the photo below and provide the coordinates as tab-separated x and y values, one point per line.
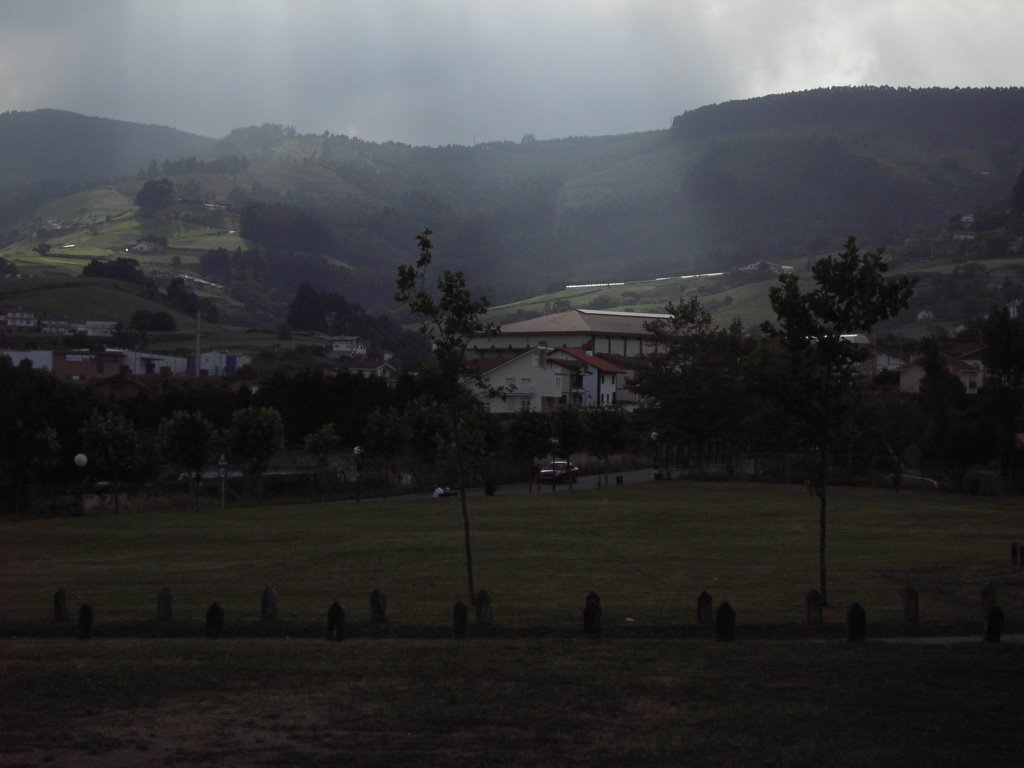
557	472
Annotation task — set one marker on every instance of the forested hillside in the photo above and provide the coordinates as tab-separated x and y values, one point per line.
725	185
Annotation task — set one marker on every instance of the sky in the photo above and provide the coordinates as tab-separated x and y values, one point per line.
438	72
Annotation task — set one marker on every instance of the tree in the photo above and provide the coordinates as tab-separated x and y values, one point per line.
1017	204
145	320
529	437
451	316
1004	357
814	329
606	434
321	443
256	434
108	440
385	437
697	379
155	194
186	438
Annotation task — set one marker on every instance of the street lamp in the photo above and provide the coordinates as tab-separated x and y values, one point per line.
654	439
222	472
81	460
358	453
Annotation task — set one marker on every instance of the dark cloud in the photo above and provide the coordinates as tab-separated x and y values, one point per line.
443	71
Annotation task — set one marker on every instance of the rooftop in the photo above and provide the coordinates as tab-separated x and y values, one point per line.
585	321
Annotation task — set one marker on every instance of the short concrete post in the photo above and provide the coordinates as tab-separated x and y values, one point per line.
214	620
268	605
994	621
85	621
460	618
856	624
814	605
484	614
378	608
60	605
908	595
704	613
592	614
725	622
335	622
164	605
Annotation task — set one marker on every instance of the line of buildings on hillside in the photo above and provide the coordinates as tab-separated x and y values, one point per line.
580	357
587	358
16	321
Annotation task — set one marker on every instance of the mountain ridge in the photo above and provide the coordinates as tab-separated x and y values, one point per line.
724	185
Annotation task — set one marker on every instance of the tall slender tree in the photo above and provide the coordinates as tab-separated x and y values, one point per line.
450	317
815	330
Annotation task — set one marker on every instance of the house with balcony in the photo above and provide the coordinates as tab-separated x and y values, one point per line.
543	379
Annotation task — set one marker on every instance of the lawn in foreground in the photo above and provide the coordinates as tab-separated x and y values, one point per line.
526	702
647	549
649	691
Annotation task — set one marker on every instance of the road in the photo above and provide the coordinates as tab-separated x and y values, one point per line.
587	482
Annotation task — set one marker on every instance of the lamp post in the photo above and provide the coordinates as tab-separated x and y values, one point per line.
654	439
222	472
358	453
81	460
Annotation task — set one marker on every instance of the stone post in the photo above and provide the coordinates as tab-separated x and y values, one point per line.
704	610
994	620
60	605
592	614
910	603
84	621
164	605
483	608
268	605
214	620
460	617
725	622
378	612
335	622
856	624
988	598
814	608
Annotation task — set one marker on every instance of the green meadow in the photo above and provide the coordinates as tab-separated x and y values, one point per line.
532	689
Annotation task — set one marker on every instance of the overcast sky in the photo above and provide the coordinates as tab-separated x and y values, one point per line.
440	72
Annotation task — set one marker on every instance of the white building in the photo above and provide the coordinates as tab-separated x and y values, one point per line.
348	346
601	332
542	379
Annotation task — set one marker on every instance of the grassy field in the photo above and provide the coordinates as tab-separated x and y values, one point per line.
654	689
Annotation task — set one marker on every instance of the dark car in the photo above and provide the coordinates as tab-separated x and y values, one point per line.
557	472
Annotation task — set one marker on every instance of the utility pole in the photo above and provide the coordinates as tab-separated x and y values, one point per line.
198	315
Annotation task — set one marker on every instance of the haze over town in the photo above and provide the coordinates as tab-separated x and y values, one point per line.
436	72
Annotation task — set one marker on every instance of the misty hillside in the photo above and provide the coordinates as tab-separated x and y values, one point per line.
725	185
50	144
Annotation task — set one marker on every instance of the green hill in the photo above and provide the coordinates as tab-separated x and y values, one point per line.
769	179
49	144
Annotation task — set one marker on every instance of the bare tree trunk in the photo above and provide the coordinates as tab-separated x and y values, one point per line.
457	434
822	523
